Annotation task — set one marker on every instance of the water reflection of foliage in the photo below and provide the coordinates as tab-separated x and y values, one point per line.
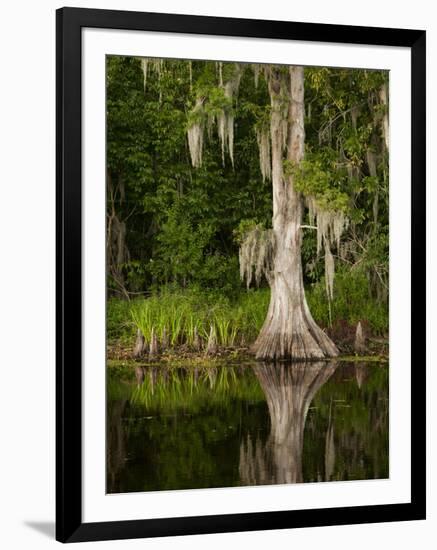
183	428
355	403
171	414
164	389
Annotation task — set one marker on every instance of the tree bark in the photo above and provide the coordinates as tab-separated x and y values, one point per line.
289	331
383	95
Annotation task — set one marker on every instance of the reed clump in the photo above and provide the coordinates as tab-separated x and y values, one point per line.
198	319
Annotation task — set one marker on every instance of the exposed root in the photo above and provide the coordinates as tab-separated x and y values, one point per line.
297	346
296	339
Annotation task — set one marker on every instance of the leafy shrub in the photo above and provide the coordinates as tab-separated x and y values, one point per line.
352	303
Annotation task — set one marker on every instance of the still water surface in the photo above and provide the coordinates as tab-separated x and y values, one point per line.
251	424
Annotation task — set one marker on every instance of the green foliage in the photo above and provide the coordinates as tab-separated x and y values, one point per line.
184	226
318	176
244	227
237	321
351	303
119	327
181	312
181	247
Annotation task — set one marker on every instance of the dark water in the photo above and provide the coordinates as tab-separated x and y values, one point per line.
177	428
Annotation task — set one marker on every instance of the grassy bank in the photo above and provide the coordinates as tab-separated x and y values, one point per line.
187	319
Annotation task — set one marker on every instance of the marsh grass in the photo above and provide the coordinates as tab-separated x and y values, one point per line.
180	314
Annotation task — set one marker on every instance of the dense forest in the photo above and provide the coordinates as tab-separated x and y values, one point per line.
212	170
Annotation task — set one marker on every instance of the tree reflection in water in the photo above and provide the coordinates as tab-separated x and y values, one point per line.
289	390
246	424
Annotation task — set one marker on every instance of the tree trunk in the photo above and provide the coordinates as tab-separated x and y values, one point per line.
383	95
289	331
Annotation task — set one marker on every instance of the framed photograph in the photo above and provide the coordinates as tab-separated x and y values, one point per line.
240	275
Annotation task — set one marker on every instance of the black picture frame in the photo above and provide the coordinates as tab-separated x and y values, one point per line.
69	525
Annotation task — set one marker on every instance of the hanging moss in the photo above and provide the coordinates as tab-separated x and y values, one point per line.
155	65
256	254
214	107
265	162
195	133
